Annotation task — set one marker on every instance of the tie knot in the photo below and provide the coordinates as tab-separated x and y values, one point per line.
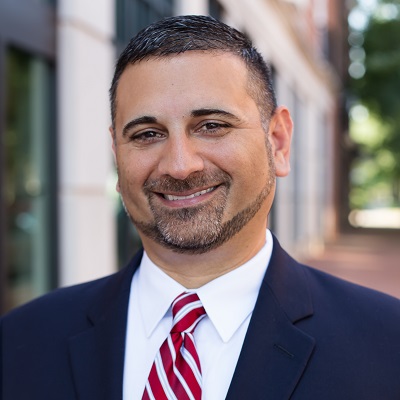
187	312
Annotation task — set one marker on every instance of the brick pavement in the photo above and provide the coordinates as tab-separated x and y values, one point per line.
371	260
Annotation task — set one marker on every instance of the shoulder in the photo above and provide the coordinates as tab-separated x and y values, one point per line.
349	315
325	291
69	306
62	300
347	296
330	308
57	314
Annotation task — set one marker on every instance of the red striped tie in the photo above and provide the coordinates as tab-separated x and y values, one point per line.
176	372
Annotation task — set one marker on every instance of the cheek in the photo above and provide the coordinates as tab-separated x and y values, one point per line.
129	182
246	162
133	169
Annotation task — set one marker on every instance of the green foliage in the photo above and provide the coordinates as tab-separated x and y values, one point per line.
377	168
379	88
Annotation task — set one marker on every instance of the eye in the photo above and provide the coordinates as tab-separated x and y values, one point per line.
147	137
213	127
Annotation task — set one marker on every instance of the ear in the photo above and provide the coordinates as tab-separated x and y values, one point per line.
113	146
280	137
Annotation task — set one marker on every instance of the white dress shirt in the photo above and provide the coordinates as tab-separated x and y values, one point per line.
229	302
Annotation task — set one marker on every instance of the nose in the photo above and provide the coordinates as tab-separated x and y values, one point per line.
180	157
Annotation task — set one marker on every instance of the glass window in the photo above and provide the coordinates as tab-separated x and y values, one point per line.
29	154
216	9
134	15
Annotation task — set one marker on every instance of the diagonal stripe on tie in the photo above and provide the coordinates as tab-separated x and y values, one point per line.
176	371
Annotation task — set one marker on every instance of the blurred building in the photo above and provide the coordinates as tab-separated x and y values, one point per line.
60	219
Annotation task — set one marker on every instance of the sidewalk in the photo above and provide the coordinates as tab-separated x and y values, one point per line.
367	259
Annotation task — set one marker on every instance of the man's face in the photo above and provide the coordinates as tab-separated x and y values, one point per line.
194	164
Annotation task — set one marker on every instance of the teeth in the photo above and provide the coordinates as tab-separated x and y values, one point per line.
191	196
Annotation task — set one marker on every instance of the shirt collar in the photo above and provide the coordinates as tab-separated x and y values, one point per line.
228	299
156	291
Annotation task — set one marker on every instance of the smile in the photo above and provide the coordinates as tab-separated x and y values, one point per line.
191	196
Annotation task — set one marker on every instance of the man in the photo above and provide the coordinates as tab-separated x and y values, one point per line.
198	141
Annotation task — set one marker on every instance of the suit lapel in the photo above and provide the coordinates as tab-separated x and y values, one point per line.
275	352
97	353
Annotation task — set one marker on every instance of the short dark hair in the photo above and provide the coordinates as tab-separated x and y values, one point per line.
176	35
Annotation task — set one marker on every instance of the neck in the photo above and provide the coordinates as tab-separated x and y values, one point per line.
195	270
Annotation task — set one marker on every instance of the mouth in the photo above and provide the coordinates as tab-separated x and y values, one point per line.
173	197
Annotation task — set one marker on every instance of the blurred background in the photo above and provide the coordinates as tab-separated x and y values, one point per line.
336	65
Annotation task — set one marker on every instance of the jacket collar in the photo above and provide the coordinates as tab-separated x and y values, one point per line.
97	353
275	352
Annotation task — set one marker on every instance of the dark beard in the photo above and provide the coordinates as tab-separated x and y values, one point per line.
207	231
192	229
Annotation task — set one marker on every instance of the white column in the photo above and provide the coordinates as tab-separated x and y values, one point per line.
84	69
192	7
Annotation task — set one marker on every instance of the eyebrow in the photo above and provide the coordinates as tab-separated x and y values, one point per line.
202	112
146	119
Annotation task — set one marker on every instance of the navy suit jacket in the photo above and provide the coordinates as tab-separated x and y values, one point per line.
311	336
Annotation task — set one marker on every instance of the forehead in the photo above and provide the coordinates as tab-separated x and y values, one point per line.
186	79
189	58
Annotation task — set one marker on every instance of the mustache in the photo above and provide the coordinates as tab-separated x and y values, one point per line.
195	180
